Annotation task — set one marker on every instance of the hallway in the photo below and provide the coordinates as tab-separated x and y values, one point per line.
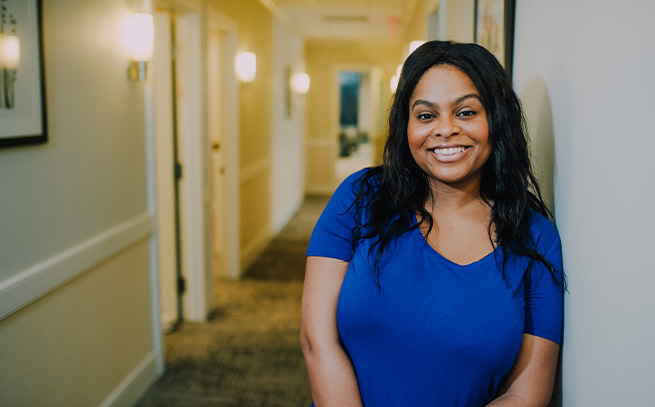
248	353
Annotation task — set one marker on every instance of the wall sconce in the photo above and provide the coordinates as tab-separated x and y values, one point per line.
139	37
9	61
414	44
300	83
245	65
394	79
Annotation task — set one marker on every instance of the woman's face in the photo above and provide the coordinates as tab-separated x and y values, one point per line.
448	133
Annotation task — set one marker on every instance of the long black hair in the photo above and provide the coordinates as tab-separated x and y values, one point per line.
389	196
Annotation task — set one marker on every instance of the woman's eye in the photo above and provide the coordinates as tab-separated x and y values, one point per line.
466	113
425	116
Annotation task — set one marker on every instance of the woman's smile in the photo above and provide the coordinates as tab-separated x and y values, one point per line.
449	154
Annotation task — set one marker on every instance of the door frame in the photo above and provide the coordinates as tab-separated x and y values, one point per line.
195	191
230	267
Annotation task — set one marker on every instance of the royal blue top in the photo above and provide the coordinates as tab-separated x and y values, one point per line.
435	333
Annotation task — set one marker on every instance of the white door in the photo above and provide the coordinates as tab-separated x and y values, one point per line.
216	139
164	128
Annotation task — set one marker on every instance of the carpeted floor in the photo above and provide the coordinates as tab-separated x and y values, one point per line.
247	354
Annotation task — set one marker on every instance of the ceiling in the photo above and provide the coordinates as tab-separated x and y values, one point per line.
363	20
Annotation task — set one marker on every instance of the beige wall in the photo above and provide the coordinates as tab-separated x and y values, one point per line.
74	285
288	146
455	18
416	28
76	345
459	20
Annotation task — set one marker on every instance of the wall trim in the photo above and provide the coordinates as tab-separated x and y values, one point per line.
135	384
320	142
256	247
254	169
29	285
319	190
281	221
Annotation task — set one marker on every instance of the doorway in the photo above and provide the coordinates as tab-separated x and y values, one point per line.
356	128
194	173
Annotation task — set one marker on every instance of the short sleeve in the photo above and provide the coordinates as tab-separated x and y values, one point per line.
332	234
544	296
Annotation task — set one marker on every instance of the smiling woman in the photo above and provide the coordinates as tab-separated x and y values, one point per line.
436	278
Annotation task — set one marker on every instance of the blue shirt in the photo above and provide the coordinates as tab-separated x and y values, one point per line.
435	333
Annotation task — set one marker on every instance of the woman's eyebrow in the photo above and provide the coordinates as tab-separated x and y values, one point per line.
457	101
423	102
467	96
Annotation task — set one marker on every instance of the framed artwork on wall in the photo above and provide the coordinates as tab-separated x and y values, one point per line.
493	27
22	96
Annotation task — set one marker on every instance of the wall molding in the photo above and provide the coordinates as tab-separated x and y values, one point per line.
253	170
319	190
256	247
320	142
135	384
29	285
281	221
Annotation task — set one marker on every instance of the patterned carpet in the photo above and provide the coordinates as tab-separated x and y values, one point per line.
247	354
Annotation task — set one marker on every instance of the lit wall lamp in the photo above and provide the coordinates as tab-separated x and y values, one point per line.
139	38
9	60
393	83
300	83
394	79
245	65
415	44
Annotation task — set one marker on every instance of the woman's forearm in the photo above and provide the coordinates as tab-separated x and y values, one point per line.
332	377
331	373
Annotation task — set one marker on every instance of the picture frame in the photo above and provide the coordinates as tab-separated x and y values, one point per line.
22	87
493	26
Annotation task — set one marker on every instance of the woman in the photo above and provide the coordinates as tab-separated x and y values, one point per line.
435	279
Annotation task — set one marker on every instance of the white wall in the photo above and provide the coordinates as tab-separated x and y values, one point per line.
288	166
585	71
75	317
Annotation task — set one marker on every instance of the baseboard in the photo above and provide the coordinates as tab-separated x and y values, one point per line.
281	221
134	386
29	285
248	173
319	190
255	248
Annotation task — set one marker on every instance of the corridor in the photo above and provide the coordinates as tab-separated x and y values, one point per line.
248	353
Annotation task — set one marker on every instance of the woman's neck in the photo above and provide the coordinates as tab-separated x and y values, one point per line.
453	197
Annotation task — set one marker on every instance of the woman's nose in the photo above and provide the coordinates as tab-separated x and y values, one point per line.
446	127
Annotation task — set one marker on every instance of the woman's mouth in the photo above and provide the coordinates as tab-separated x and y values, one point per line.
449	150
449	154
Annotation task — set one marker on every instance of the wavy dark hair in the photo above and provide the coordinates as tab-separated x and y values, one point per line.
388	196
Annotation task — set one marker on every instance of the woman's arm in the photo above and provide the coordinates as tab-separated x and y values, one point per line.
530	382
331	373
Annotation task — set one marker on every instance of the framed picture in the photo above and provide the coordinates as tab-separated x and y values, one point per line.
494	29
22	98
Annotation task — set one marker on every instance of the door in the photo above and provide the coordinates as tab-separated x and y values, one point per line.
215	50
168	236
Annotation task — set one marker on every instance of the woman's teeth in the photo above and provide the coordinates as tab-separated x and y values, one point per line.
449	151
